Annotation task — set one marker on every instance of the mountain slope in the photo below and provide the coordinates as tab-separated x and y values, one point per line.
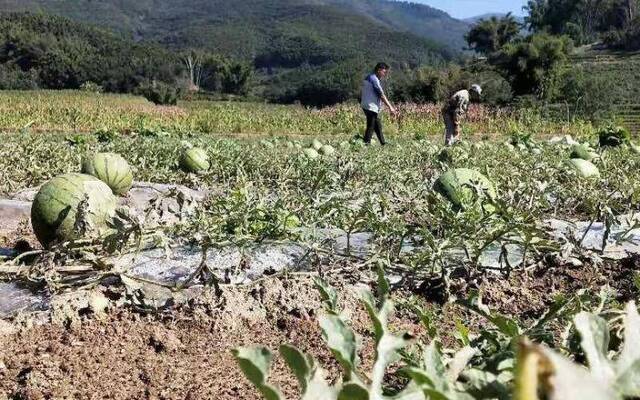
419	19
277	33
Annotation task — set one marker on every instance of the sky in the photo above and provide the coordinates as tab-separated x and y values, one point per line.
471	8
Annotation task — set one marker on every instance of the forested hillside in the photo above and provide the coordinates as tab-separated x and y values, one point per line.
276	33
38	51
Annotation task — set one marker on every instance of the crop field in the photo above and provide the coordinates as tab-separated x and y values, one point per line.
504	267
72	111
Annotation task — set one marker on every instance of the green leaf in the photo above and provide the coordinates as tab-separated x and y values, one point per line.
427	321
312	383
341	341
378	318
574	382
255	363
507	326
459	363
463	332
594	334
299	364
353	391
434	366
328	295
628	364
384	287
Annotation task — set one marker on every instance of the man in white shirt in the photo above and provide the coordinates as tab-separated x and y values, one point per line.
455	109
371	100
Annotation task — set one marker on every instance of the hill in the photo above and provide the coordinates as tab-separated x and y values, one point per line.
40	51
275	33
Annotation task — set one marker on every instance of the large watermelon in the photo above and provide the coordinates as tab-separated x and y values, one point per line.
111	169
584	168
456	185
583	152
54	213
327	150
311	153
194	160
316	144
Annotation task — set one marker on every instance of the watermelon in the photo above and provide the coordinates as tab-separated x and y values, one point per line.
194	160
268	144
456	185
583	152
54	212
111	169
311	153
327	150
584	168
634	148
316	145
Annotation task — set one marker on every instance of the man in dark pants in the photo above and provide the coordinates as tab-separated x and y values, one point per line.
372	98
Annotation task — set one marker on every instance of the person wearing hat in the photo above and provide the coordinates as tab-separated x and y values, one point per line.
455	109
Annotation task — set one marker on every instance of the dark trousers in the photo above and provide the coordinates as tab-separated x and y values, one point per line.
373	124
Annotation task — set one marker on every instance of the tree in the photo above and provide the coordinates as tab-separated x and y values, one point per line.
235	77
583	20
530	64
490	35
193	61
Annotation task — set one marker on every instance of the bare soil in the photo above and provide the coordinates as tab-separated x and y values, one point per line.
185	353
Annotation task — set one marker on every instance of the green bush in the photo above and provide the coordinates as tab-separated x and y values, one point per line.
612	136
160	93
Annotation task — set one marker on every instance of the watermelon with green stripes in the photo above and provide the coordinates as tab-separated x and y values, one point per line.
311	153
462	186
316	144
111	169
327	150
195	160
71	206
584	168
583	152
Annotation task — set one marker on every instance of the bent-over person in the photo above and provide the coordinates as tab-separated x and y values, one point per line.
455	109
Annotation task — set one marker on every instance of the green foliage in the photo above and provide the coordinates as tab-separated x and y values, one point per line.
605	379
343	344
275	34
53	52
627	38
611	136
582	20
159	93
531	64
489	35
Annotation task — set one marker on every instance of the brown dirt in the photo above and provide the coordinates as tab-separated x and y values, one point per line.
185	354
181	355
